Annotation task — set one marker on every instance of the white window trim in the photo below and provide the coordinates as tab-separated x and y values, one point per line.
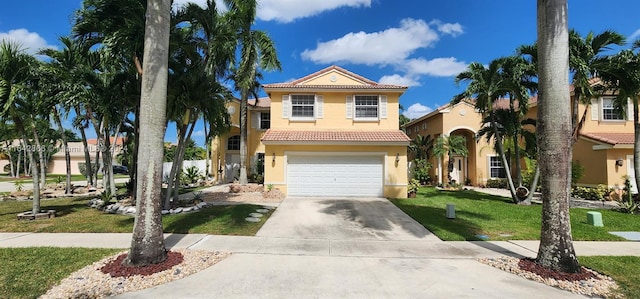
259	125
300	118
365	119
600	110
489	168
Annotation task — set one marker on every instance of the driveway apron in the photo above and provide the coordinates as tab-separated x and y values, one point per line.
342	219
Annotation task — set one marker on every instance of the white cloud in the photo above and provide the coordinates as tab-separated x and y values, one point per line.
378	48
198	133
396	79
416	110
31	42
438	67
453	29
286	11
633	36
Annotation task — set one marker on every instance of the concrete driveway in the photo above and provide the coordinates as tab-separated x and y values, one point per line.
342	219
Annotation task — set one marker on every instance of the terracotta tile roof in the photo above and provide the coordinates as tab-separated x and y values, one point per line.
367	84
334	136
264	102
610	138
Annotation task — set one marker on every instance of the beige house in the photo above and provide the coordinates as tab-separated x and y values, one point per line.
604	148
331	133
57	164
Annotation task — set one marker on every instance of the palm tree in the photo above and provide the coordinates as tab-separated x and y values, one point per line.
488	84
449	146
621	72
16	70
147	242
556	250
421	146
257	51
584	54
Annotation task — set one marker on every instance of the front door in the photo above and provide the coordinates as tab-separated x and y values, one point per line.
231	167
632	174
458	172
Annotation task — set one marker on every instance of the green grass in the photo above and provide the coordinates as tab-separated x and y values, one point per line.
496	217
625	270
30	272
74	216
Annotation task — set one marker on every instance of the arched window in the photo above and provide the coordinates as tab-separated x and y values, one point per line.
233	143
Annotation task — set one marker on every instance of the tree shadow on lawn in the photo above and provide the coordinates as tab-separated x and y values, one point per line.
469	195
435	220
183	223
50	204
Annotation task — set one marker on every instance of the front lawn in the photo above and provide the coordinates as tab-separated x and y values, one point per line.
74	216
30	272
479	214
625	270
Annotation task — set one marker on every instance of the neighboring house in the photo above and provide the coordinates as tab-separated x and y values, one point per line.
225	152
331	133
480	165
57	164
604	148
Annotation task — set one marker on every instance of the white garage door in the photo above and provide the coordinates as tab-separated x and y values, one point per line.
335	176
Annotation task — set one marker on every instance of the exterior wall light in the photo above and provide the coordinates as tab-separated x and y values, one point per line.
397	157
619	162
273	157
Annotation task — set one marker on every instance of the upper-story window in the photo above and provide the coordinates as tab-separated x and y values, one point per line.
265	120
366	107
609	112
495	167
424	126
233	143
304	107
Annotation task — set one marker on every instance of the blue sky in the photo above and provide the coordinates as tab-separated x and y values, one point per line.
422	44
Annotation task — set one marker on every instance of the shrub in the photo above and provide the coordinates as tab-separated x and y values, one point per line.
577	172
497	183
591	193
191	174
82	167
421	171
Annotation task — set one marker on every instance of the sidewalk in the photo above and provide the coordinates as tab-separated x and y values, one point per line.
318	247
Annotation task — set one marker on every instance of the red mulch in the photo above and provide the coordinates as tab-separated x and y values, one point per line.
117	268
531	266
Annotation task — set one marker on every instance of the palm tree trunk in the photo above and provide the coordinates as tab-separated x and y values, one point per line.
243	136
518	163
87	158
179	159
147	242
498	138
636	144
67	154
35	208
40	150
173	182
534	186
554	128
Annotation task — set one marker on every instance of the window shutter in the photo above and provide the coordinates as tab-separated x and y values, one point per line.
286	106
319	106
349	106
255	120
595	110
383	107
629	110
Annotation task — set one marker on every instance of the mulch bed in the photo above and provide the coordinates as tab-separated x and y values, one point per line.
117	267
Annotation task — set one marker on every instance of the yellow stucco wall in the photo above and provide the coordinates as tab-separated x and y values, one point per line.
332	77
335	113
395	185
254	134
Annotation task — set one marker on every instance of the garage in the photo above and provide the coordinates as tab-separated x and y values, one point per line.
352	175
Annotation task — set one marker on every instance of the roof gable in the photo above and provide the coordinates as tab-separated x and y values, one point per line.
333	77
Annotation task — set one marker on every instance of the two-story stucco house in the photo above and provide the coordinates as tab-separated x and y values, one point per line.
331	133
604	148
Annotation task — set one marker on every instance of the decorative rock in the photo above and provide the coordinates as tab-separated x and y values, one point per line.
172	211
252	219
202	205
256	215
268	207
130	210
178	210
262	211
164	212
